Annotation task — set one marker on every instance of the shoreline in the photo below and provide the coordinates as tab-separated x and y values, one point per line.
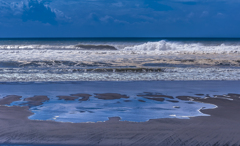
220	128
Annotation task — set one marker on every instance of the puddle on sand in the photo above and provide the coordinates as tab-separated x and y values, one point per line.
131	108
134	109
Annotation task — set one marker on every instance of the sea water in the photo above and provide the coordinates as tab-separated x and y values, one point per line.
128	66
118	59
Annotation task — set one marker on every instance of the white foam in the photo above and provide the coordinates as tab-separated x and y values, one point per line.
165	47
151	48
169	74
35	46
126	55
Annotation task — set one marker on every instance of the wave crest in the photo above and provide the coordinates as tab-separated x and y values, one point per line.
34	46
152	48
165	47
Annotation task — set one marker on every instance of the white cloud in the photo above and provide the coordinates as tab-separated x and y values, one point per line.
17	8
118	4
106	18
60	15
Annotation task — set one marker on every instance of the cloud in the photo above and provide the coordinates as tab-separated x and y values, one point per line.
10	8
94	17
60	15
36	10
118	4
125	17
106	18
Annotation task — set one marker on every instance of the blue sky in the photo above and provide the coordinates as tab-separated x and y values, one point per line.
119	18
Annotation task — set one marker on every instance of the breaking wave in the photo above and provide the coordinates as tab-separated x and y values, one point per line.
56	60
35	46
166	47
50	64
162	47
167	74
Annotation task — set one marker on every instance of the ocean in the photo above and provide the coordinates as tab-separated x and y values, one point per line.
119	59
137	70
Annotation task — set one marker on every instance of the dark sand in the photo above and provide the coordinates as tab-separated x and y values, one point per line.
36	100
155	97
84	97
110	96
174	101
67	97
9	99
221	128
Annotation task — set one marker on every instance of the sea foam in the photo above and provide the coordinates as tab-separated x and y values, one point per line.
162	47
56	60
166	47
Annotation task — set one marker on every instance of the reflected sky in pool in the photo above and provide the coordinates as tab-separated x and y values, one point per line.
130	109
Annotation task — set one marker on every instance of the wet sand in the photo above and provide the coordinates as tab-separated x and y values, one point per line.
67	97
155	97
110	96
9	99
36	100
84	97
221	128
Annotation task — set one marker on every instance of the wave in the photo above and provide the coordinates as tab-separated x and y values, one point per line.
193	63
167	47
34	46
96	47
167	74
81	70
153	48
128	65
116	50
59	47
50	64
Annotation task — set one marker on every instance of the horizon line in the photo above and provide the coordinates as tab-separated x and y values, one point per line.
119	37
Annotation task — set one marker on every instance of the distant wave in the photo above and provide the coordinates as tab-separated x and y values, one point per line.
96	47
58	47
80	70
108	66
34	46
152	48
167	47
50	64
119	60
167	74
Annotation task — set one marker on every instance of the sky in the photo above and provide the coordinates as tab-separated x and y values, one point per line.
119	18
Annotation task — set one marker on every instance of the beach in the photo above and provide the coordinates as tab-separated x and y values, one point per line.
220	128
119	73
119	91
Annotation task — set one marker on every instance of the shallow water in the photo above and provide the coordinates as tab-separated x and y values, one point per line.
133	66
130	109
